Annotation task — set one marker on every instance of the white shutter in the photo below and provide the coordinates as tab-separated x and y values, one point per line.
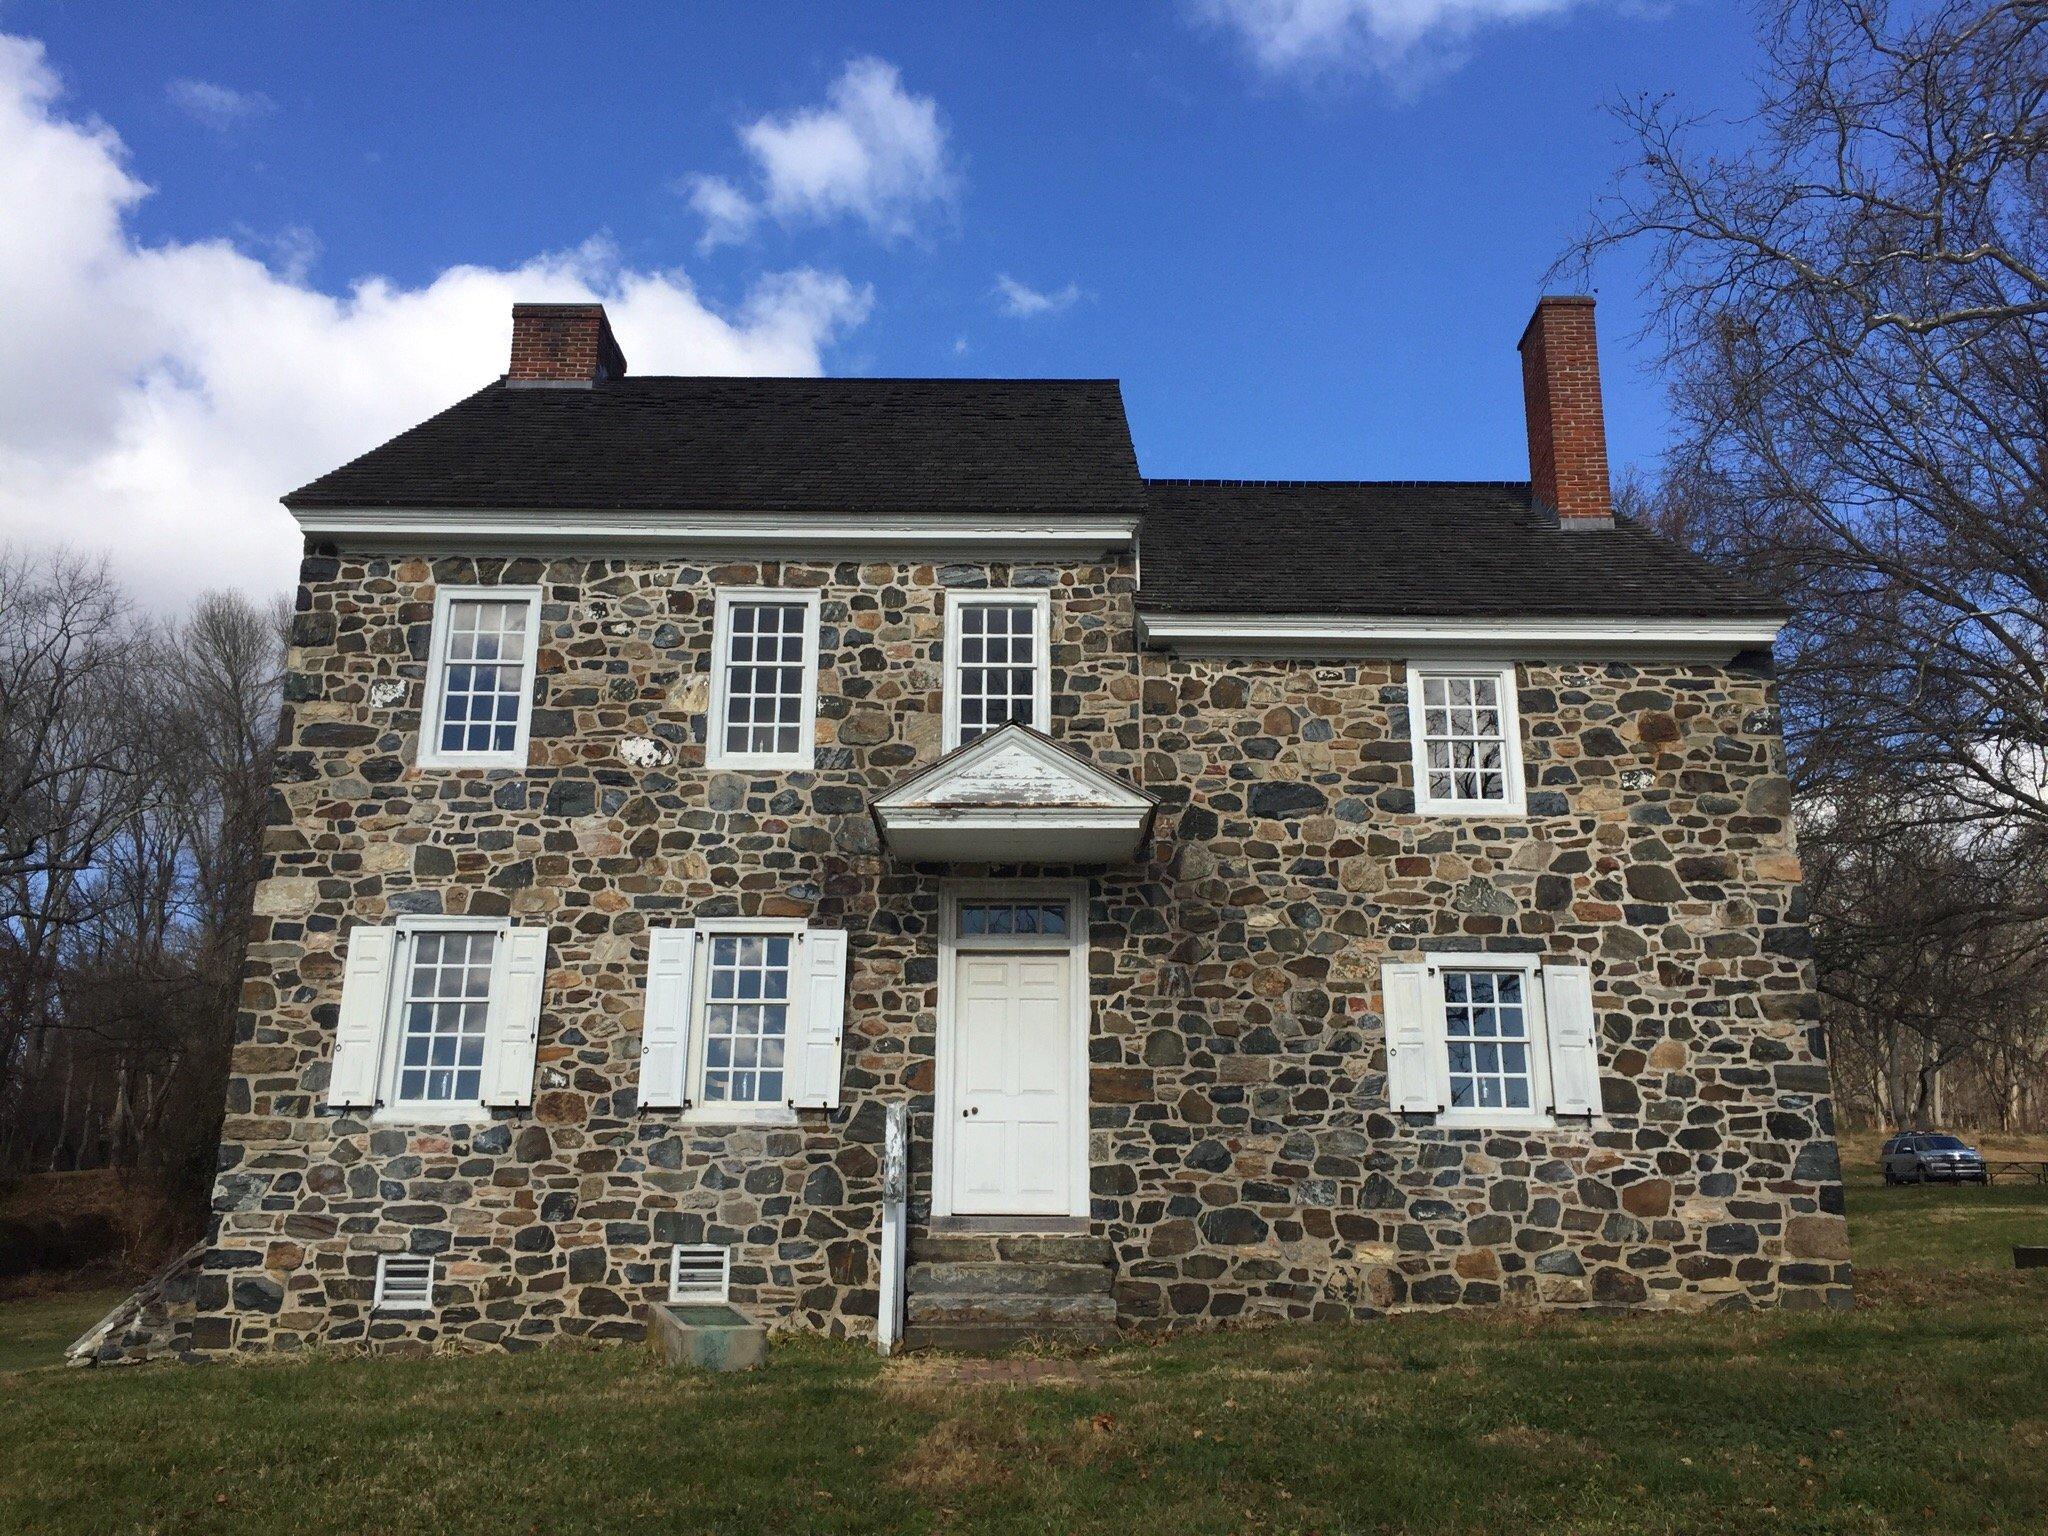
665	1022
519	972
1415	1079
814	1069
365	1004
1574	1042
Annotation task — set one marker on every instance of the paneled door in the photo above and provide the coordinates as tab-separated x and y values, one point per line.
1013	1127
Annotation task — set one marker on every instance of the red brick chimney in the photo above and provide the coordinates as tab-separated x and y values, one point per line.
1567	433
563	344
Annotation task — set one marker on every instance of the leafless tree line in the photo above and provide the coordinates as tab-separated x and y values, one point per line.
135	759
1852	290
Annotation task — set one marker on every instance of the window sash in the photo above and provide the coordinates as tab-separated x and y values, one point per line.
998	663
1465	740
1466	993
744	1018
764	701
480	677
453	1014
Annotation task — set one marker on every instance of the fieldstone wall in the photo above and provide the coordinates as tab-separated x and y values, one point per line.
1246	1157
1243	1162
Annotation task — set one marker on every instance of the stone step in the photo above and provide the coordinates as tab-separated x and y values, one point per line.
1009	1247
993	1339
1053	1315
1000	1278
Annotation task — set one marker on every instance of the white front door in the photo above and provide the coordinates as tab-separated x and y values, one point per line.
1013	1101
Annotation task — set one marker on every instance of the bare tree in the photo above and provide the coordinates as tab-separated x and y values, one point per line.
1854	304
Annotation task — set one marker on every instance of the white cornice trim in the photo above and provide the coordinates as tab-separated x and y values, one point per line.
756	533
1332	636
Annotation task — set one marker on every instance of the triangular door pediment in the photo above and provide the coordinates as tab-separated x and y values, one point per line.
1014	795
1014	767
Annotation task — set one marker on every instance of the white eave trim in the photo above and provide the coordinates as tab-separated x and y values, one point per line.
467	528
1332	636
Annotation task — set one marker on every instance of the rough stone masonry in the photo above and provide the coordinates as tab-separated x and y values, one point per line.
1243	1161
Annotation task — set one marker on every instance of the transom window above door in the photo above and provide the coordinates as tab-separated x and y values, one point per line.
1000	919
997	665
480	677
764	684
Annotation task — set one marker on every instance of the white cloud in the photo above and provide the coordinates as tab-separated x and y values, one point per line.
218	107
157	399
874	153
1403	39
1020	301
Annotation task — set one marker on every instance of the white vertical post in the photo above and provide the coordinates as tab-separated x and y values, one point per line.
895	1193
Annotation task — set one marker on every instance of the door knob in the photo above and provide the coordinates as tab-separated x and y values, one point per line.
967	1113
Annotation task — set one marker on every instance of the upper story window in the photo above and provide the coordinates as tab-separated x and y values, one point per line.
1465	740
480	677
998	663
764	683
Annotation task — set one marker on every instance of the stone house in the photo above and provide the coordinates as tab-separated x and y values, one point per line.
1269	899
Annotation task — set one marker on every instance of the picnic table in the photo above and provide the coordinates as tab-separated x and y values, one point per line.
2022	1169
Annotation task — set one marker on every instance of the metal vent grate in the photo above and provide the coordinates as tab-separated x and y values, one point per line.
699	1273
405	1283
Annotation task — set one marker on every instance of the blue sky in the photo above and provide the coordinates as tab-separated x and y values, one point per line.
1304	233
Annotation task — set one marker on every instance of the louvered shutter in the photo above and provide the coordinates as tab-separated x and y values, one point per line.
665	1023
815	1067
1416	1074
1574	1040
359	1032
519	971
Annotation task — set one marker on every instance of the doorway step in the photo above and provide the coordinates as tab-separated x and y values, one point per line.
979	1292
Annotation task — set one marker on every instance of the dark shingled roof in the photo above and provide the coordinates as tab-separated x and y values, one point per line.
747	444
1450	549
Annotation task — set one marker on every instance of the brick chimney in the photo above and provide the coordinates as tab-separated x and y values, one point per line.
563	344
1567	433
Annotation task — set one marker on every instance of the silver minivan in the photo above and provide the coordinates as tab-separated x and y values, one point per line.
1918	1157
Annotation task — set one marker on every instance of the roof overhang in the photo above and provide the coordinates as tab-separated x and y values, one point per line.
926	533
1013	797
1327	636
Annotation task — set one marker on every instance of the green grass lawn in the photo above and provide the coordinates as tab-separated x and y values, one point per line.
35	1332
1923	1411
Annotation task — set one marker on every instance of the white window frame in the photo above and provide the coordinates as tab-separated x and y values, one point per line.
1516	800
725	1112
1040	602
716	754
1534	1010
380	1301
390	1109
430	754
708	1295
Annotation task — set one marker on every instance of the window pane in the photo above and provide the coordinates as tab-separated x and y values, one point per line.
997	677
746	1020
447	997
986	919
1463	728
484	675
1487	1024
764	680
